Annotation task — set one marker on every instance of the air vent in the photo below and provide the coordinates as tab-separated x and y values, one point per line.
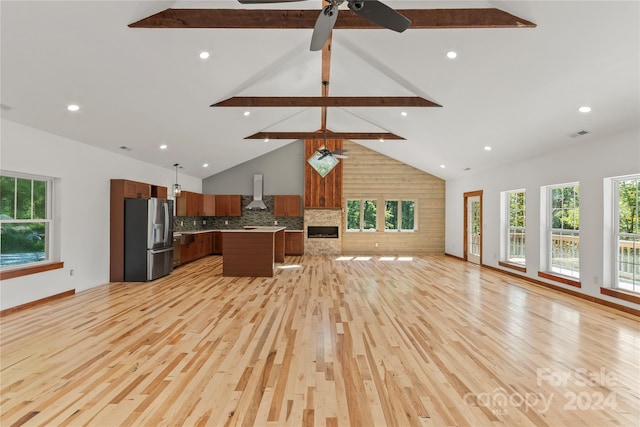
579	133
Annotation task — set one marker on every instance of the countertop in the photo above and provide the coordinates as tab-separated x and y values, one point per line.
260	229
246	228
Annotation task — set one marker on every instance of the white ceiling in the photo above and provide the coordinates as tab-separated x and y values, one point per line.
516	90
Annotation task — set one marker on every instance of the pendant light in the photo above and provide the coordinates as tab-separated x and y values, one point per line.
177	189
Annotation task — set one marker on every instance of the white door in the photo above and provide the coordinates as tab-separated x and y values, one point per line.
473	229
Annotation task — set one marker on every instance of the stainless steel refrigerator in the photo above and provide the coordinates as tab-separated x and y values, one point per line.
148	239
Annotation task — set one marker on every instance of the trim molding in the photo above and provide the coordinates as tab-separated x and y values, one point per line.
560	279
10	274
617	293
512	266
37	302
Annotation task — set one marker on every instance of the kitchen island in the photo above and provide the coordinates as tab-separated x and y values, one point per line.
252	252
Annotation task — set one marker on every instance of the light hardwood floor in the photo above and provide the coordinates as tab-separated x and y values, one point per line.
430	341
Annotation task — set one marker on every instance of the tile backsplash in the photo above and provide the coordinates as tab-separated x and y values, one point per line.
249	217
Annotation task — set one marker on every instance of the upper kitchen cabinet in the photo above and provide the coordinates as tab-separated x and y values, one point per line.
286	205
131	189
159	192
228	205
208	205
189	204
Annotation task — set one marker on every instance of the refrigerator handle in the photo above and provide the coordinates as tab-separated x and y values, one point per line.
167	226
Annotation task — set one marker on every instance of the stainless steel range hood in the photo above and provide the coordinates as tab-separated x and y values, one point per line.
257	202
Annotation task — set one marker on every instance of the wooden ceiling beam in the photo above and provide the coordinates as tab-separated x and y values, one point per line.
328	101
325	75
329	135
299	19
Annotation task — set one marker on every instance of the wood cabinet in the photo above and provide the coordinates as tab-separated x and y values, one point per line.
120	190
208	205
228	205
133	189
189	204
294	243
288	205
201	246
159	192
216	242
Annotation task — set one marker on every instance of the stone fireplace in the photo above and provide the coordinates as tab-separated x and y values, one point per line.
322	231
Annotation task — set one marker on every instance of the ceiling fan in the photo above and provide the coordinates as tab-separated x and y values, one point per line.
372	10
324	152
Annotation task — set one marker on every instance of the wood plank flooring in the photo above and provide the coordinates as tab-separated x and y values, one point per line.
426	341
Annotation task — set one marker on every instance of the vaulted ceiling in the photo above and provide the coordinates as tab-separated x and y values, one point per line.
516	90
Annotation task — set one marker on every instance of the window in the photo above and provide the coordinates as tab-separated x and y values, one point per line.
515	227
361	215
399	215
626	233
563	230
25	219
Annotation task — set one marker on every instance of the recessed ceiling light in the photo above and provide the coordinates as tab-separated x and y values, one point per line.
246	113
403	114
442	166
584	109
206	165
163	147
451	54
204	55
487	148
73	107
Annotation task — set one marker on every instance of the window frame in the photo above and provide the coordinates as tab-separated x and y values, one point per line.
9	271
508	229
616	234
361	216
399	216
550	230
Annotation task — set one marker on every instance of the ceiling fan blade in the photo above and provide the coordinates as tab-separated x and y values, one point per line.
265	1
340	156
381	14
324	24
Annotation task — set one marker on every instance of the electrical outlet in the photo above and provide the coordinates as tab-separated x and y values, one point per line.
194	223
226	222
376	244
71	272
204	222
275	222
181	223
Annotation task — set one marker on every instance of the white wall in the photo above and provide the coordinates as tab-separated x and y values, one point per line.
85	173
587	161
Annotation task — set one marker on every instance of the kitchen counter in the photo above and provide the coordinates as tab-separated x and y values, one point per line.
252	252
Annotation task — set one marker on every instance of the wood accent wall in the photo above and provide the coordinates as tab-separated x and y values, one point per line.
374	176
322	192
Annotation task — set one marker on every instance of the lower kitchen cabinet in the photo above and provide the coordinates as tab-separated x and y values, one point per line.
201	246
216	248
294	243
